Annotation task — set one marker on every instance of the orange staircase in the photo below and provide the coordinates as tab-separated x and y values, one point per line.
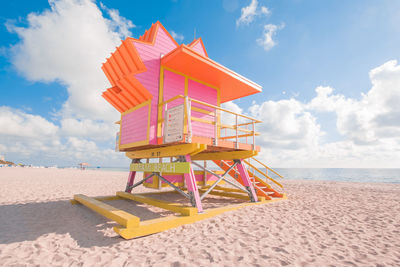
262	188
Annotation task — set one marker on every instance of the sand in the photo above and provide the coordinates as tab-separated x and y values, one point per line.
321	224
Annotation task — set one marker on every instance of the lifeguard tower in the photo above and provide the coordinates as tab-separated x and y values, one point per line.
176	132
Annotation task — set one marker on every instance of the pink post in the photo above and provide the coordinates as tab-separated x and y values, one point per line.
131	179
246	179
191	185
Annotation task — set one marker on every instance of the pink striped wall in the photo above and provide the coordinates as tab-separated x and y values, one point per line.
174	84
206	94
150	79
199	49
134	126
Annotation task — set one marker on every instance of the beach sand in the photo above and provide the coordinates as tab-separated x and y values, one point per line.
321	224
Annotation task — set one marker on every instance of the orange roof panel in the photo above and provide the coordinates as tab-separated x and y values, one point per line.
232	85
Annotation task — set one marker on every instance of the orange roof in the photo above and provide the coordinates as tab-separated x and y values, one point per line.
126	91
232	85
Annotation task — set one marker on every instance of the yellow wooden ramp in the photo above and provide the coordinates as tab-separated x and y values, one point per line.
131	226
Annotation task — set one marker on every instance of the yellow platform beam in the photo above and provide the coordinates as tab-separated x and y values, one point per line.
120	216
174	207
241	154
161	224
168	151
132	227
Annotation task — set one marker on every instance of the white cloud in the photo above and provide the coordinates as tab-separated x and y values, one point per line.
266	41
373	118
17	123
264	10
31	139
229	118
248	15
95	130
68	44
178	37
249	12
286	124
118	23
369	126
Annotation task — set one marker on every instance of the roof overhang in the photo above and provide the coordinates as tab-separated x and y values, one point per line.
232	85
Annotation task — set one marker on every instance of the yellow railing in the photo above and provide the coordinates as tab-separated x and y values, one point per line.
262	173
266	167
240	130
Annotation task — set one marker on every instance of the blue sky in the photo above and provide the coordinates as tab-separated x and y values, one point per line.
348	49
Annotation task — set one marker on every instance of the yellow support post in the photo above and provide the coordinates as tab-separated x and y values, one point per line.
120	216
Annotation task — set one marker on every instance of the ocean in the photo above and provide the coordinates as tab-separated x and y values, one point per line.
325	174
342	174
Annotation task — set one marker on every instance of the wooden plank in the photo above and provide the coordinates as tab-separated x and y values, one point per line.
175	207
161	224
225	155
160	101
138	143
204	111
167	151
233	127
201	148
239	136
120	216
201	120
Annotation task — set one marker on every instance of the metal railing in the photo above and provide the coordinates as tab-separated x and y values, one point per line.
227	125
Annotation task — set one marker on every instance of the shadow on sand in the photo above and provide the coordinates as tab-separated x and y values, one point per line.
27	222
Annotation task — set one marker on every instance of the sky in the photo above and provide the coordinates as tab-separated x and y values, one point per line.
329	70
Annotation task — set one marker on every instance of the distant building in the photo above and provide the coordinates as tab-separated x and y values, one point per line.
2	158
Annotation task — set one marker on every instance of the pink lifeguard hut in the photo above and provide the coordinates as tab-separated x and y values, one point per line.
176	132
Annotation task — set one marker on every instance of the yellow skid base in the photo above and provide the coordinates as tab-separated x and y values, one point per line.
132	227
